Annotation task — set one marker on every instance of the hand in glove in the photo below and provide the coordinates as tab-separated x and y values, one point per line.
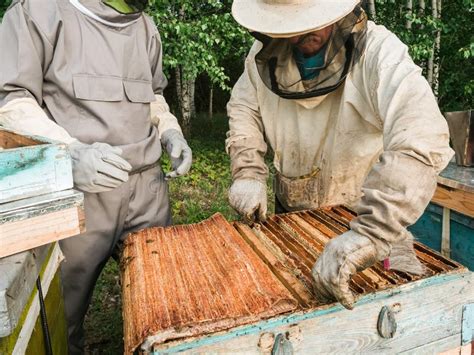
179	152
342	258
249	198
98	167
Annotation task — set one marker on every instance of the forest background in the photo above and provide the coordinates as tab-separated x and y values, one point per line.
204	51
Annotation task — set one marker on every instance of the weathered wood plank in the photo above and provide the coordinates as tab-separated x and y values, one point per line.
40	230
457	177
428	230
19	340
425	316
445	346
468	324
41	220
39	205
304	297
19	273
187	280
30	167
457	200
10	140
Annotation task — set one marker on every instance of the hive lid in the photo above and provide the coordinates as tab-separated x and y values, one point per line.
193	280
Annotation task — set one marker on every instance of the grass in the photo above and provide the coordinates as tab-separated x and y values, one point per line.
194	198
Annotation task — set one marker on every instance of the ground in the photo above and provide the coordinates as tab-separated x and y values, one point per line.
195	197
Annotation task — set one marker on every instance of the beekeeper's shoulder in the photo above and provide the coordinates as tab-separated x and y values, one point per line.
383	48
44	14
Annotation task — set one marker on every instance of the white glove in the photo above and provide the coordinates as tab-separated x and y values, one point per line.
343	256
249	198
98	167
179	152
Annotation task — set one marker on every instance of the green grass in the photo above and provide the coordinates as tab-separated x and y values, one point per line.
194	198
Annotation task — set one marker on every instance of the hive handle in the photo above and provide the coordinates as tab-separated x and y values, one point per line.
387	324
282	346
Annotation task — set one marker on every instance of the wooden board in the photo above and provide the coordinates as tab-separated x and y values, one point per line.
288	245
30	166
41	220
26	334
189	280
20	272
458	200
427	323
428	230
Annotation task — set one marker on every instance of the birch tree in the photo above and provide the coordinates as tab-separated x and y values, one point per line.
197	36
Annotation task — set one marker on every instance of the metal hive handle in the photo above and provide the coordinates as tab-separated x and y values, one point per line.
282	346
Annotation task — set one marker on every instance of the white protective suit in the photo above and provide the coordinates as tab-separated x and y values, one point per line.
376	143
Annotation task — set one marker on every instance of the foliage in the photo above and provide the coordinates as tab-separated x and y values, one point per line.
103	323
198	37
455	58
3	6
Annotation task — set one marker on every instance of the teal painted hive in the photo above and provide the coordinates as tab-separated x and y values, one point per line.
31	166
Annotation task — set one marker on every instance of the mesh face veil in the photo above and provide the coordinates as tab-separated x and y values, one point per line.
127	6
278	69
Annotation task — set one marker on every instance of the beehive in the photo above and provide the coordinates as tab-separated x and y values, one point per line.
185	285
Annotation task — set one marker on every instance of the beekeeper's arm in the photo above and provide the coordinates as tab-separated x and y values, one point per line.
246	146
169	130
26	51
401	184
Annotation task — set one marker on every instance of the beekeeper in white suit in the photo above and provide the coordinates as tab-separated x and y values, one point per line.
350	120
89	73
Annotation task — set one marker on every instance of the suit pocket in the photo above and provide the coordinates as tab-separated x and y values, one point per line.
98	88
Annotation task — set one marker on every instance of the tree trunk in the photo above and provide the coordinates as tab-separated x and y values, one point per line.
372	11
421	10
421	14
185	92
437	59
434	13
211	101
177	72
192	91
433	62
409	13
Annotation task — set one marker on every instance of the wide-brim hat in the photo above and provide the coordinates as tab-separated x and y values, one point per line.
287	18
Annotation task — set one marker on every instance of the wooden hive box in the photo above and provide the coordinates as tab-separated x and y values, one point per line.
217	287
31	166
21	330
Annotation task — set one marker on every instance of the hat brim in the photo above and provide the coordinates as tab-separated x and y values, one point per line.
286	20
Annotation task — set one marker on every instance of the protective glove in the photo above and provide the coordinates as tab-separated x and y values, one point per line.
403	257
179	152
343	256
249	198
98	167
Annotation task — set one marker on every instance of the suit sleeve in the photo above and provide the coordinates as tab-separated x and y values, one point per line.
245	139
161	115
416	148
25	53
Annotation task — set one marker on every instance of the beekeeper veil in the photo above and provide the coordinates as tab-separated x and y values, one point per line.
127	6
286	71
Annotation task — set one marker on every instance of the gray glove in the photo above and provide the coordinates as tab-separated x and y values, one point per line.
350	253
343	256
403	257
249	198
179	152
98	167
